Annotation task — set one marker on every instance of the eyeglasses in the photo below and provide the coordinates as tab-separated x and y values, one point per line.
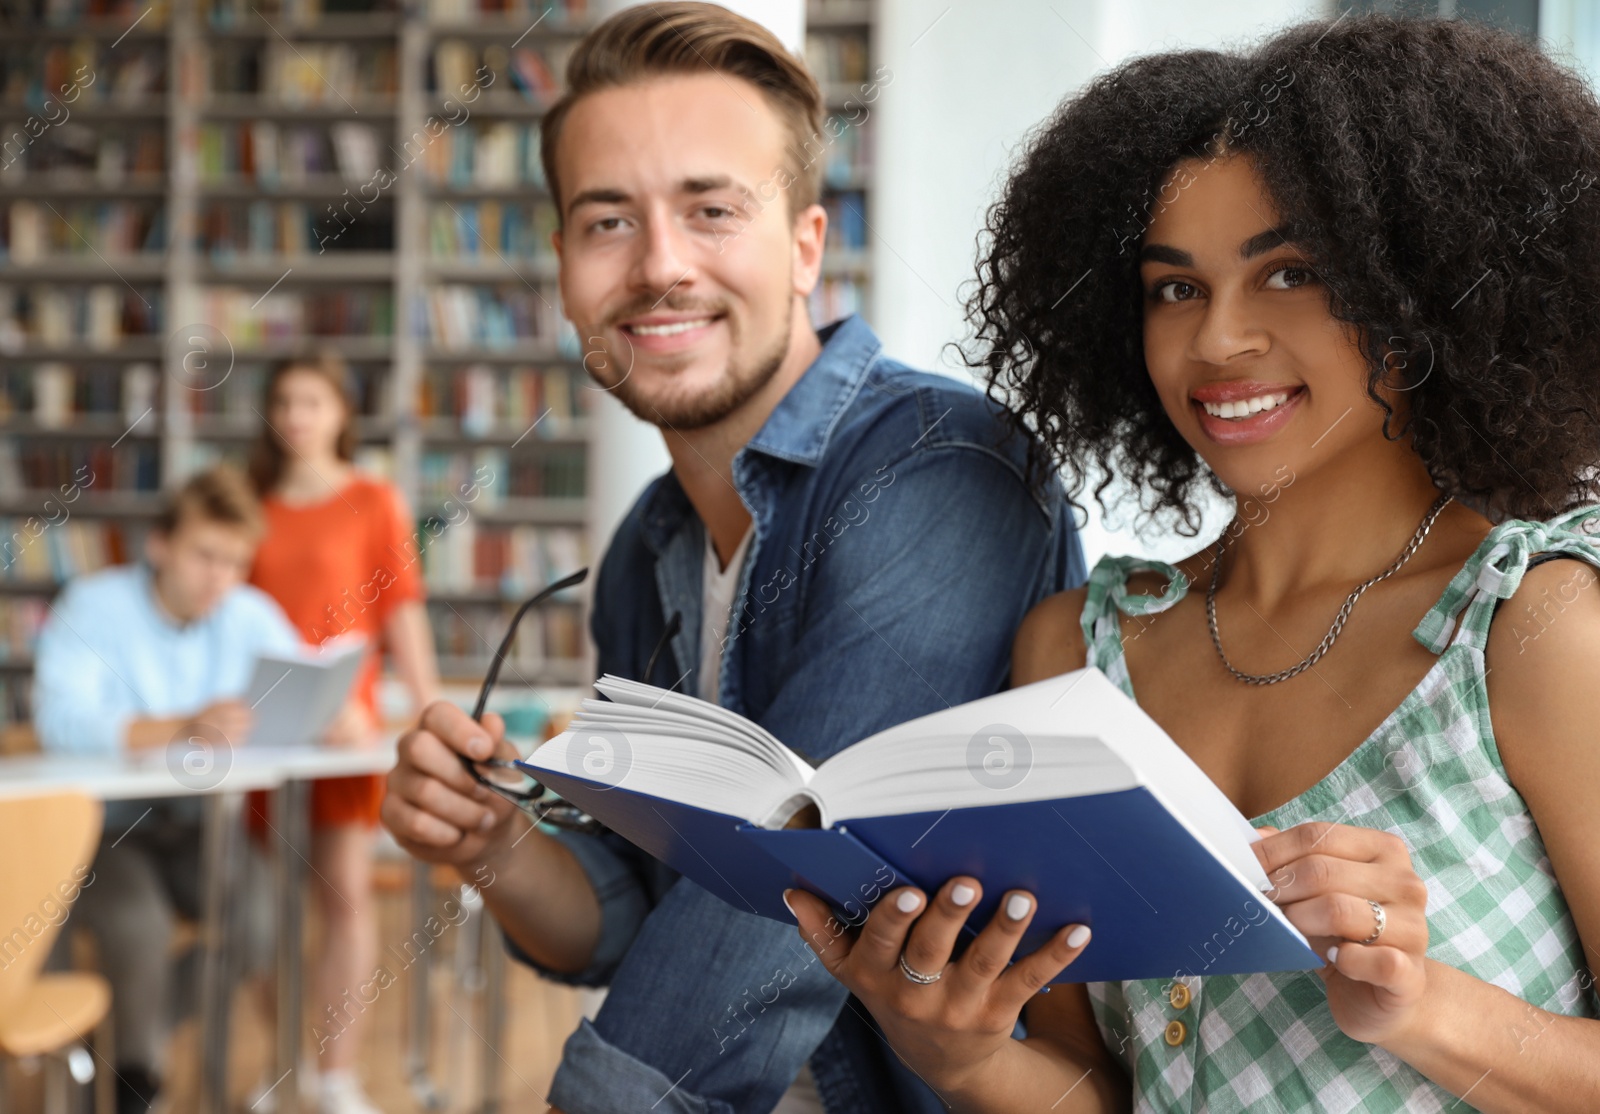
508	779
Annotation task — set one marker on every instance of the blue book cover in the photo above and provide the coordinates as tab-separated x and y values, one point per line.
1063	788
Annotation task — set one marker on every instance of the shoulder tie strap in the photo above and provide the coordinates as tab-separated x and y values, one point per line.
1495	572
1108	594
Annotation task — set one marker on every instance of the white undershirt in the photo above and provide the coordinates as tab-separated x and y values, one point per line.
717	588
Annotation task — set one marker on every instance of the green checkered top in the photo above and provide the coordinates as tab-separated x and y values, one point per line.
1431	774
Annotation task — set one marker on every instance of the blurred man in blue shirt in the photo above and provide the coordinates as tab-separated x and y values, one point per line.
134	658
846	543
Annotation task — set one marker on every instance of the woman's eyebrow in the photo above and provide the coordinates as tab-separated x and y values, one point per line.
1161	253
1254	246
1266	241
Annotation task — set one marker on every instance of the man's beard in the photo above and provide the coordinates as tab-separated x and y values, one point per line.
738	384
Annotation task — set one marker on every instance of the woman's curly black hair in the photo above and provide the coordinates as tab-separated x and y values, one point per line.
1445	179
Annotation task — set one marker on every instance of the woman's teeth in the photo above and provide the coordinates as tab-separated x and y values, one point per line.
1245	407
671	329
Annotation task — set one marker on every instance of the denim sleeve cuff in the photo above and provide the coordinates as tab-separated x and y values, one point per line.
599	1078
623	908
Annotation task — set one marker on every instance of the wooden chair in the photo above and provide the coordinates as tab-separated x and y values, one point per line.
49	843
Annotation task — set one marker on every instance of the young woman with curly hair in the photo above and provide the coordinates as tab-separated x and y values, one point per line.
1352	280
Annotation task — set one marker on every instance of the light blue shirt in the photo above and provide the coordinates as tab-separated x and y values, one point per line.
109	654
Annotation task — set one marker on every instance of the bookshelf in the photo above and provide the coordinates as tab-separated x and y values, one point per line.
191	189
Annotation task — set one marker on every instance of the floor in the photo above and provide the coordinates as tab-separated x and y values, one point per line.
539	1016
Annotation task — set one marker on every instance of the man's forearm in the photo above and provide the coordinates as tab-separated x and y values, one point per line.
541	896
146	732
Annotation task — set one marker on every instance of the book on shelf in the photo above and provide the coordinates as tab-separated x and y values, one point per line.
1064	788
98	315
491	230
834	298
48	467
522	71
465	635
304	74
483	154
277	228
68	77
48	547
847	222
106	153
543	402
836	58
464	316
557	12
54	393
104	13
21	620
492	475
251	319
513	561
268	153
38	231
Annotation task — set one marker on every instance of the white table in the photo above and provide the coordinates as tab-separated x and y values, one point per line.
287	774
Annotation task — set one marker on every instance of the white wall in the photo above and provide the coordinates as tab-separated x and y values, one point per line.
969	80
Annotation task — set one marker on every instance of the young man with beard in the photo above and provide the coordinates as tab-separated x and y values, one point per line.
849	544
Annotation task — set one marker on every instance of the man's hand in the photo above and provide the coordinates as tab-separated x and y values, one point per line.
434	808
229	718
352	727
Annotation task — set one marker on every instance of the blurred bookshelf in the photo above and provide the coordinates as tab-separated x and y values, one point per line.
839	51
192	189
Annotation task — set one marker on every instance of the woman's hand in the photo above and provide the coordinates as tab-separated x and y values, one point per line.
352	727
946	1030
1323	876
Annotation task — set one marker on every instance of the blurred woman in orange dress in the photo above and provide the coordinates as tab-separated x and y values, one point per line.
340	557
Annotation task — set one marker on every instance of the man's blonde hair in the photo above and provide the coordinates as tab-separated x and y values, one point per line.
656	40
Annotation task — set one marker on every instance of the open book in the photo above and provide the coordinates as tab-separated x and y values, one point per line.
294	697
1064	788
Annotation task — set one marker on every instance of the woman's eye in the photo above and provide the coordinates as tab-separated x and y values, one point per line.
1175	292
1289	278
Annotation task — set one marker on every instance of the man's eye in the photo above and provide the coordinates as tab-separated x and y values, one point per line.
606	224
717	212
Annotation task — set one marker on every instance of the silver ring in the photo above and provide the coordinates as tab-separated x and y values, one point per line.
1383	920
917	976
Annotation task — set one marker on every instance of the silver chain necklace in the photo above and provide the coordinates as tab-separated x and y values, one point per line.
1338	621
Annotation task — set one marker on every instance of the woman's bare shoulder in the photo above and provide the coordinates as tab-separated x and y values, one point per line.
1050	640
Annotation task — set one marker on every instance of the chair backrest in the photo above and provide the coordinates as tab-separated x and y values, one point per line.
46	847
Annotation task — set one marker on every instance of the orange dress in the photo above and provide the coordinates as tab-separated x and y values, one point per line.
337	566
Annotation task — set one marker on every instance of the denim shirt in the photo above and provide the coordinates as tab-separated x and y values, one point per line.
897	547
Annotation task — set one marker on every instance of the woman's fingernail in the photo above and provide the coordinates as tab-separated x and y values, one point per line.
789	907
487	822
1333	953
1078	937
962	894
1017	907
908	901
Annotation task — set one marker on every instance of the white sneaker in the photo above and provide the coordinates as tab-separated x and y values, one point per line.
340	1093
